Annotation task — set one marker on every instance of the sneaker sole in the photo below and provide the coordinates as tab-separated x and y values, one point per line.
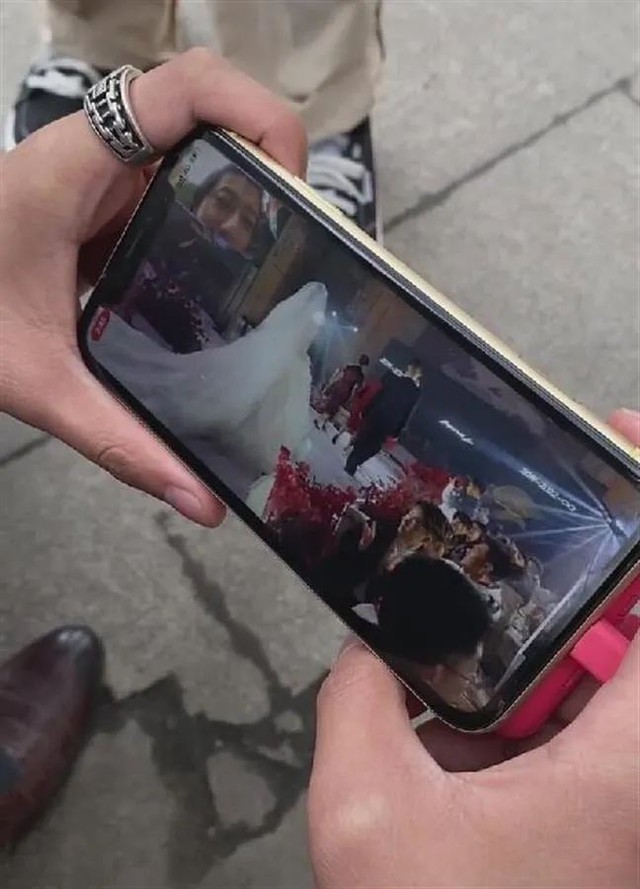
379	238
8	139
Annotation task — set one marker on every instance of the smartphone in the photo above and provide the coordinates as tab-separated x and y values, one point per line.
458	513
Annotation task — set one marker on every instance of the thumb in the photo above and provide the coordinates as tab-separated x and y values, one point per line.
363	731
85	416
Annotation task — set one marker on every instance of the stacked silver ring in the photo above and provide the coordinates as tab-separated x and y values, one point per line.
109	112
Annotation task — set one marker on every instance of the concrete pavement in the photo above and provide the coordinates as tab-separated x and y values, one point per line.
507	139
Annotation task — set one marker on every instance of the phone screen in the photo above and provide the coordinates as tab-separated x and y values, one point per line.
452	518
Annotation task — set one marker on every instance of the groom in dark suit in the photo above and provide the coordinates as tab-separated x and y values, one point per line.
387	415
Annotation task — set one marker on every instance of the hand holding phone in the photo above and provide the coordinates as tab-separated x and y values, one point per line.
84	198
544	792
559	809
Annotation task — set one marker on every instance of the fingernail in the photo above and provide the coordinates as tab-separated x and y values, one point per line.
186	503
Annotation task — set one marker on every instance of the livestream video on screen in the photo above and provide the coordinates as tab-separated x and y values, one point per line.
455	525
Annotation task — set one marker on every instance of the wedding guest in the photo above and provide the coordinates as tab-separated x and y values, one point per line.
476	500
452	494
387	414
465	534
488	563
367	547
359	403
428	612
538	599
341	388
453	666
460	682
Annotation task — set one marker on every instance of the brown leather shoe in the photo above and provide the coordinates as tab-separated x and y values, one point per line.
47	696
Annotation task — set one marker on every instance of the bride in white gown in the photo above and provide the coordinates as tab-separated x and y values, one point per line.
241	401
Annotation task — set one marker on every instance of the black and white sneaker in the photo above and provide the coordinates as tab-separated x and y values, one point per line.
51	89
341	169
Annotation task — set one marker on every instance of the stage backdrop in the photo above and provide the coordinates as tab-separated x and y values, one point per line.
542	492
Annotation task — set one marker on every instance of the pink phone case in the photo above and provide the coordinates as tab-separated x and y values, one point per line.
599	652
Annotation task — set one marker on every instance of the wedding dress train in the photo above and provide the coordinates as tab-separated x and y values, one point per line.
243	400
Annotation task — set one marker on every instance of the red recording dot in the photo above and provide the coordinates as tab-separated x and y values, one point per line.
100	325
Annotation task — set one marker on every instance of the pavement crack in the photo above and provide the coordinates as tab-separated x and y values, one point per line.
181	745
210	596
626	88
433	199
24	450
180	761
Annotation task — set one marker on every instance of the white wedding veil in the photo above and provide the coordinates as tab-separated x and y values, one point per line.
210	393
235	378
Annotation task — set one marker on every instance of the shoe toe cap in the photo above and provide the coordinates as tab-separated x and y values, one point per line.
82	647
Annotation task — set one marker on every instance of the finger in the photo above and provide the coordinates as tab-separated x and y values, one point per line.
367	758
85	416
363	725
198	87
627	423
95	253
169	101
117	210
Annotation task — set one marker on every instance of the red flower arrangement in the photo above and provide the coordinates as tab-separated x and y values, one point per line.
295	494
298	502
419	483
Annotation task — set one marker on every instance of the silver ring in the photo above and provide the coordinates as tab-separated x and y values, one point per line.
109	112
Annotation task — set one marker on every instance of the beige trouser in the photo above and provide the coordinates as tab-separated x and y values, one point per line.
324	56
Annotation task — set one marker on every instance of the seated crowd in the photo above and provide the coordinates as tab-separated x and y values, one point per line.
447	597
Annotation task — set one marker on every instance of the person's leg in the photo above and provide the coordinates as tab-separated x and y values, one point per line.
330	418
325	57
110	33
342	438
358	449
367	443
84	40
